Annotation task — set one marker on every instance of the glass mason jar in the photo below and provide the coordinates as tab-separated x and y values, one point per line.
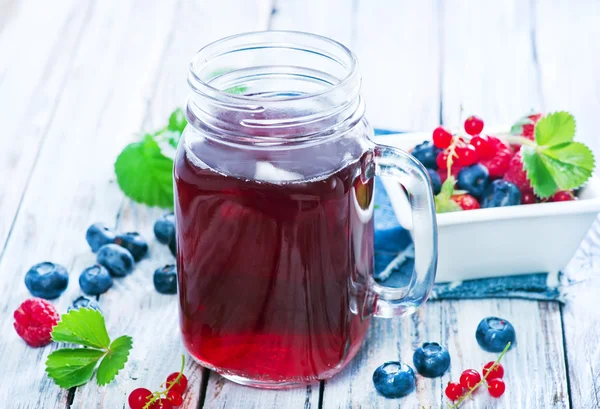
274	209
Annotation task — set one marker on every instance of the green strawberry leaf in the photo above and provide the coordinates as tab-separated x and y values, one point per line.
554	129
72	366
443	203
558	167
144	174
115	360
177	121
83	326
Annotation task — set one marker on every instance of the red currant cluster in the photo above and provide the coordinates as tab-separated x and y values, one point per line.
169	398
471	380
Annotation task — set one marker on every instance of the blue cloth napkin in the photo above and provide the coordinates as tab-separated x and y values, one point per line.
394	260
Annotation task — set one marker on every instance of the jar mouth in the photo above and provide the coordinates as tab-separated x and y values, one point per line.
203	79
274	87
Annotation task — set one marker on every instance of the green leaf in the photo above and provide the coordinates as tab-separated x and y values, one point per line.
555	129
144	174
115	360
443	203
71	367
177	121
83	326
559	167
541	179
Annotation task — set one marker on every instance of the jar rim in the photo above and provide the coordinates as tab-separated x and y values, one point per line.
219	47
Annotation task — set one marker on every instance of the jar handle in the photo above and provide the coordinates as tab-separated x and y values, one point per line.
404	168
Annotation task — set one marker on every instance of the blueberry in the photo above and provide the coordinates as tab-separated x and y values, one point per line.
47	280
394	379
474	179
165	279
501	193
164	228
84	302
133	242
95	280
98	234
426	153
431	360
173	247
436	181
494	333
117	260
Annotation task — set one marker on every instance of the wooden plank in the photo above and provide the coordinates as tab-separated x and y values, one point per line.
102	105
488	63
331	18
388	340
568	59
32	72
399	58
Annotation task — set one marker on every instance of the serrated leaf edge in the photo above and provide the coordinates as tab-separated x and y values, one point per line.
117	369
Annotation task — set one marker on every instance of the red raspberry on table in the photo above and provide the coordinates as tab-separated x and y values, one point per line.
517	175
34	320
466	202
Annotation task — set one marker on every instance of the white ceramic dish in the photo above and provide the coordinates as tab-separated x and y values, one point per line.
502	241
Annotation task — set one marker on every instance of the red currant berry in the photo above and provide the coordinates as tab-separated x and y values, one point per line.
442	160
498	371
527	197
496	387
454	391
484	148
441	137
161	404
138	398
470	378
175	398
180	386
563	196
466	155
473	125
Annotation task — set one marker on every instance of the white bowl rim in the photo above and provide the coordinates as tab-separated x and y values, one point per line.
589	205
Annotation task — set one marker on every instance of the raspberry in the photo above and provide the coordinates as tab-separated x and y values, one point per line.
498	165
517	175
34	320
466	202
528	125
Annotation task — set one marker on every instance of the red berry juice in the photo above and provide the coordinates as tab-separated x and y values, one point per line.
273	274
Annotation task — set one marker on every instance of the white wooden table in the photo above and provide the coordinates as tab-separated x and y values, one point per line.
80	78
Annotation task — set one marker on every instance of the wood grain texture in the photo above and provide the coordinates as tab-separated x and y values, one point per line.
32	73
102	106
581	323
489	63
397	44
389	340
566	34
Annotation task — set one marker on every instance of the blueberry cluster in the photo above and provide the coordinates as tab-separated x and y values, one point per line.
116	255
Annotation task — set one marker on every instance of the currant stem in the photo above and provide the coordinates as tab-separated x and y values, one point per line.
481	382
157	395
